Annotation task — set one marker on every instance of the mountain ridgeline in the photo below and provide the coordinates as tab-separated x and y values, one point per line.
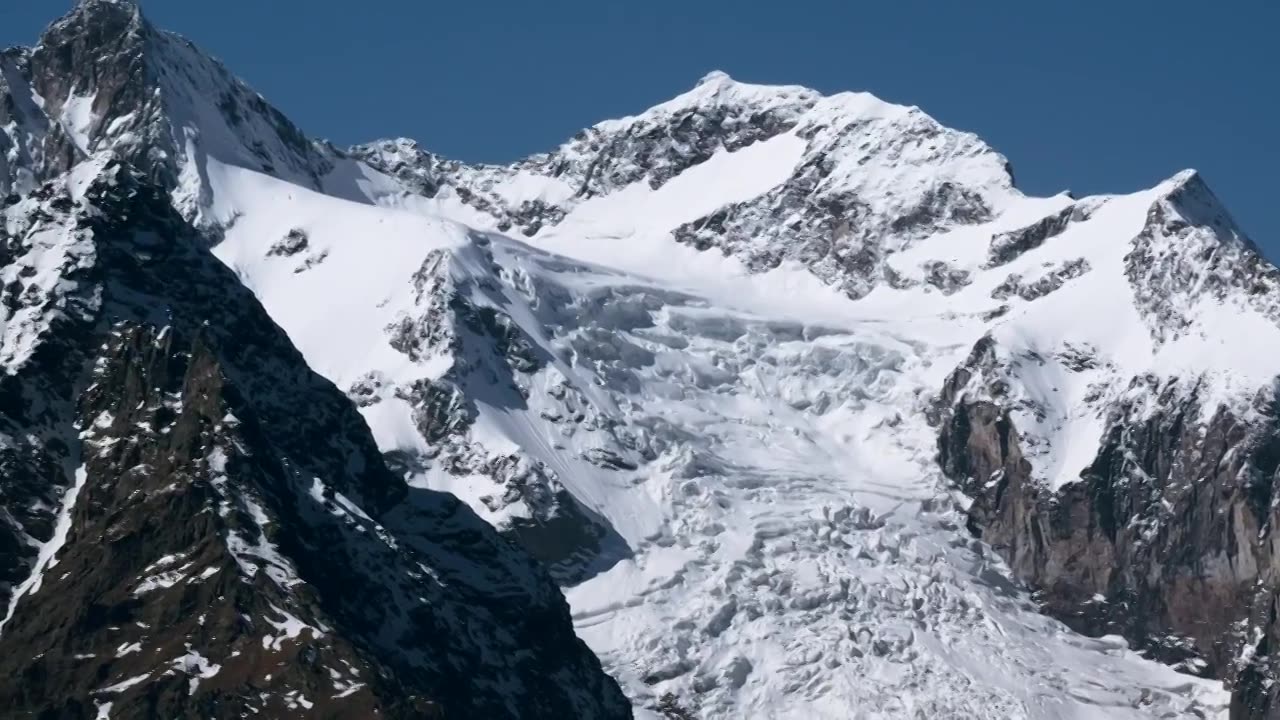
758	403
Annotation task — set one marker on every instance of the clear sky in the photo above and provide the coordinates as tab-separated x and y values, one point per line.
1084	95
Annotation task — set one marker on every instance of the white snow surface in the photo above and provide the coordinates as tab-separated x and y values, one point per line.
794	552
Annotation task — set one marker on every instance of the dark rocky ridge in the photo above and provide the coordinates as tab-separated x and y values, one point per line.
207	518
1008	246
838	235
1044	284
108	79
1106	553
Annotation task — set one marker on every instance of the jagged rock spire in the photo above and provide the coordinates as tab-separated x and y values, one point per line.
105	10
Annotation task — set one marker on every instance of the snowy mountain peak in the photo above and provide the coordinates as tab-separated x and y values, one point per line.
896	172
716	77
85	7
1182	177
716	91
104	22
1195	200
1189	217
103	79
1195	272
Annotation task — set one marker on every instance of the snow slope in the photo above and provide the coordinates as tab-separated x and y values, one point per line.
791	548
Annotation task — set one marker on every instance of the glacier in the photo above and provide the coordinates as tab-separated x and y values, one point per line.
792	549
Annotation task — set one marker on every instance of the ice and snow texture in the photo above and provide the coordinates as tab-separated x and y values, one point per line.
793	551
757	441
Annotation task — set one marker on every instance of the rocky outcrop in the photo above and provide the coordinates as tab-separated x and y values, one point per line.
32	147
107	79
833	216
462	321
674	137
1009	246
178	542
1167	535
1166	538
1047	282
946	278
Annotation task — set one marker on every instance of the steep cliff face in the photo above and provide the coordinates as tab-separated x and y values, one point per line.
32	147
1162	527
181	541
1165	536
103	78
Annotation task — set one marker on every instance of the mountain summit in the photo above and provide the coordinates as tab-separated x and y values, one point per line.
803	407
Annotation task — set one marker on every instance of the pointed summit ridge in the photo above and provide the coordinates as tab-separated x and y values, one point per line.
110	12
715	77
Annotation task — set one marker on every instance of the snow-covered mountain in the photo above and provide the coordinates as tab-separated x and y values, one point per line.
178	541
806	407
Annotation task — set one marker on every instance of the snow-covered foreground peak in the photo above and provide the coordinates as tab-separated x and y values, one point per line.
209	503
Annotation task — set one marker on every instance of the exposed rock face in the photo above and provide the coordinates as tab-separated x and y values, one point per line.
1008	246
1162	537
31	146
177	543
660	145
945	278
1167	536
843	236
1038	287
107	79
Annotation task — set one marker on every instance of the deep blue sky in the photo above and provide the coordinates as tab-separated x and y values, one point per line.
1087	95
